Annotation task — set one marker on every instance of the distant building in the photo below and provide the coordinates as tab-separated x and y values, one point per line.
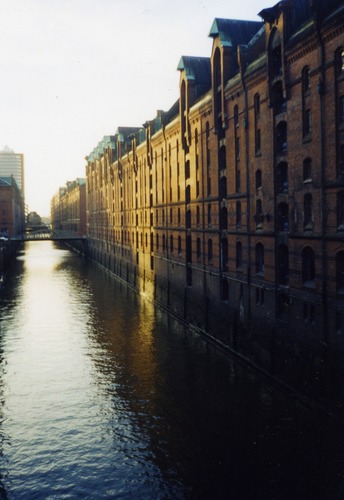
12	163
12	219
68	208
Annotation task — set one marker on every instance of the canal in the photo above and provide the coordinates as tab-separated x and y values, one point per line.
104	396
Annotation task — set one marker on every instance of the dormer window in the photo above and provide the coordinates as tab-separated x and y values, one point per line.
275	55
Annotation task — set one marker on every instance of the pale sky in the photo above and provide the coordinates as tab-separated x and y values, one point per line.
73	71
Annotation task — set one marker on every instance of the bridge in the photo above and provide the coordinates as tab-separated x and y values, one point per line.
48	235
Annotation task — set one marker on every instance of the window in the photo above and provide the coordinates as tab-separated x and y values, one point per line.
179	245
239	256
275	54
308	211
187	169
259	213
278	101
340	63
259	257
223	218
307	124
341	160
257	141
188	219
282	177
308	267
171	244
238	213
341	110
236	116
281	138
258	179
307	169
209	214
283	217
222	158
223	188
340	272
187	194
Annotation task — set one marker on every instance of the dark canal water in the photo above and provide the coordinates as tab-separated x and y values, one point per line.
102	396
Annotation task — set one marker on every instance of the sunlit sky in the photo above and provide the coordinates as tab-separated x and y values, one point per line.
73	71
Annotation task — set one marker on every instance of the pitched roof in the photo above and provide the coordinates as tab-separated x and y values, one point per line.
233	32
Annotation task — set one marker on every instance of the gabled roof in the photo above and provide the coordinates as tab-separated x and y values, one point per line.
197	69
233	32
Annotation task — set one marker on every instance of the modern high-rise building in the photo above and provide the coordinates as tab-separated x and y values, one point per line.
12	163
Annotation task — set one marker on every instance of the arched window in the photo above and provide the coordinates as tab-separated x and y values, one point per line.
238	256
259	254
340	272
308	266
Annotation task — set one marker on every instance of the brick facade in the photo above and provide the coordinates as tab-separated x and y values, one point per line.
228	210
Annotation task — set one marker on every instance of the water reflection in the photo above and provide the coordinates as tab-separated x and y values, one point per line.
103	396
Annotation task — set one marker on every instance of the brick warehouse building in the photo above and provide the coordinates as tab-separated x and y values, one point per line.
228	209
